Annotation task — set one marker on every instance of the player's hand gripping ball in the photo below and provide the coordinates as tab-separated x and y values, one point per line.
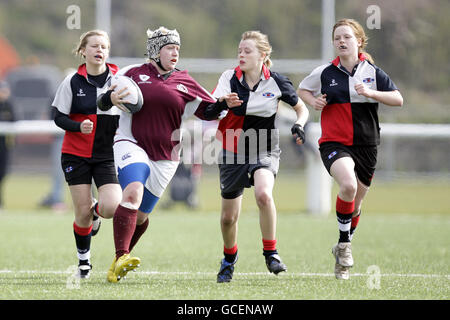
134	97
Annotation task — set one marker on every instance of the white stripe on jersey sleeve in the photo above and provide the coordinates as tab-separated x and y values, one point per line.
223	86
191	107
208	93
312	81
63	96
189	111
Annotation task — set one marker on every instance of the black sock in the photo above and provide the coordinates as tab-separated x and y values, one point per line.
84	262
268	253
230	258
82	241
344	236
96	214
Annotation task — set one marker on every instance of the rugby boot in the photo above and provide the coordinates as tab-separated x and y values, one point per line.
341	273
84	270
226	270
110	275
274	264
343	254
125	264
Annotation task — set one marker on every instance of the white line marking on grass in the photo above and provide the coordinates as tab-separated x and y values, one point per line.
250	274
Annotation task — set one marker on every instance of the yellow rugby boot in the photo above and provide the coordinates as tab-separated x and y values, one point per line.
125	264
110	275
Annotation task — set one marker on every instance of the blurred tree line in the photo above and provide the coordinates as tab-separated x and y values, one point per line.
411	45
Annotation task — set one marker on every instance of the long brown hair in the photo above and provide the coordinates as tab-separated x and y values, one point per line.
359	32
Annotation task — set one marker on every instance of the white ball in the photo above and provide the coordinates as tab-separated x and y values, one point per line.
134	92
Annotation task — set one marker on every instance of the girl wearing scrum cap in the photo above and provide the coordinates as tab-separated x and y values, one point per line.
146	156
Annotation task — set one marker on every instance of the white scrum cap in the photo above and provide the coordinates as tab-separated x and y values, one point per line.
158	39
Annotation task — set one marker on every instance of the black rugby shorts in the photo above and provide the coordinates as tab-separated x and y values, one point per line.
79	170
234	177
364	157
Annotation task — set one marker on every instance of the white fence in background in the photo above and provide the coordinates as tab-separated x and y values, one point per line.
217	66
319	182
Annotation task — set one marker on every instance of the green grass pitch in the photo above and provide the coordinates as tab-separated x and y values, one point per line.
405	240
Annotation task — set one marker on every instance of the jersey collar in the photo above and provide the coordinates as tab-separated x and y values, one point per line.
83	71
337	60
264	76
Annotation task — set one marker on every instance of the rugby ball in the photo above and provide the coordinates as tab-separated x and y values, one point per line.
134	92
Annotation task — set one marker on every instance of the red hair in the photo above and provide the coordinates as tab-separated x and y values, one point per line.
358	30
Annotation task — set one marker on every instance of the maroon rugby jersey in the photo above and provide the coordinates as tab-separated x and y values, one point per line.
167	102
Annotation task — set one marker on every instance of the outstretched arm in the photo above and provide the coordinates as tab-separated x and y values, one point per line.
230	100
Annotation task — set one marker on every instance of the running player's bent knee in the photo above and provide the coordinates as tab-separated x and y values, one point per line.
132	195
348	190
107	209
263	199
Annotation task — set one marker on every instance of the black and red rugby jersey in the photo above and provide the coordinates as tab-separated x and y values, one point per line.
255	118
348	118
77	97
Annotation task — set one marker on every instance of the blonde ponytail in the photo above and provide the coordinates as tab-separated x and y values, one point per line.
84	39
262	43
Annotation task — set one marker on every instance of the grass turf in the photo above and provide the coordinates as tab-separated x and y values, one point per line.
181	251
408	243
